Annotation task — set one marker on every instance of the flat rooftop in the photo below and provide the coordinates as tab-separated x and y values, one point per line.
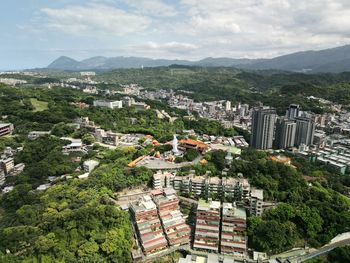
3	125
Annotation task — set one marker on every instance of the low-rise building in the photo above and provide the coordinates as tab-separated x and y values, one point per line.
76	145
107	137
33	135
7	165
193	144
89	165
6	129
108	104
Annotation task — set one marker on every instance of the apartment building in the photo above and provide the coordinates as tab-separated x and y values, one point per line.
233	230
162	179
256	202
176	230
7	165
228	188
207	226
6	129
148	225
237	188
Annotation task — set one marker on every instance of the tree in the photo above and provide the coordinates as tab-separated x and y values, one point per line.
191	154
88	139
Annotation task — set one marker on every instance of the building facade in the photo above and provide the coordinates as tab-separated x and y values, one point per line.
293	111
263	125
207	234
6	129
285	133
233	230
108	104
305	130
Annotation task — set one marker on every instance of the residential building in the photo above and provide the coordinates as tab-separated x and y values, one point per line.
7	165
107	137
233	230
237	189
148	225
6	129
141	106
33	135
207	226
90	165
305	130
76	145
285	133
320	139
293	111
162	179
108	104
177	232
228	106
256	202
263	125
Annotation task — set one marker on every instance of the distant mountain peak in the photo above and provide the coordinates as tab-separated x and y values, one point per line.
327	60
63	62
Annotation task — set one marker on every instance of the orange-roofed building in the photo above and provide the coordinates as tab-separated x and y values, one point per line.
155	143
193	144
203	161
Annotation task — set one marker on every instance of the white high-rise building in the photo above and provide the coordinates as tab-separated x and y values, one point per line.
228	106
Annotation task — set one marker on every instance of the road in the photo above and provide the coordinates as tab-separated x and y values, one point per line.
158	164
339	241
325	249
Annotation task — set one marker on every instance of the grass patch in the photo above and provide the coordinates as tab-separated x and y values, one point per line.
39	105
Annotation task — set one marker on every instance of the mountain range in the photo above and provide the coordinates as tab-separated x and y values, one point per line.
327	60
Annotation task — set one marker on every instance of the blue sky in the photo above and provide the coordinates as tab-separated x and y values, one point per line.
35	32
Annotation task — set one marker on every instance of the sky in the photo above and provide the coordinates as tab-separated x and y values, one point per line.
35	32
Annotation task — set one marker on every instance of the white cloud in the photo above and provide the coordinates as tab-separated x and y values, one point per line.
171	46
264	28
199	28
152	7
95	19
171	50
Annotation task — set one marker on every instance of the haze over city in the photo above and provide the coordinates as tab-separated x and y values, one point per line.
35	32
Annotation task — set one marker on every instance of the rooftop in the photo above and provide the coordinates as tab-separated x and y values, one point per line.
3	125
230	210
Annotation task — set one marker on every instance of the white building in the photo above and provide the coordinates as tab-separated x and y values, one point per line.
228	106
7	165
89	165
33	135
109	104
